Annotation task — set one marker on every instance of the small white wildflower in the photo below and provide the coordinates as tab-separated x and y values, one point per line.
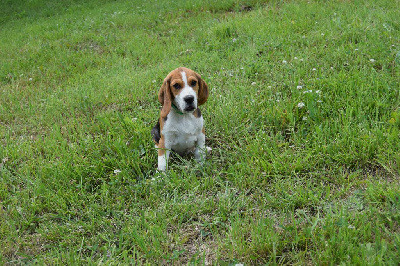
301	59
318	91
134	119
117	171
284	62
314	69
372	60
154	81
332	68
277	100
295	58
319	101
304	118
253	83
30	79
234	40
322	34
299	87
351	226
300	105
269	87
238	264
356	49
309	91
241	68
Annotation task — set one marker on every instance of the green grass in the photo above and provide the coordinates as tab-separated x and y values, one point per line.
284	185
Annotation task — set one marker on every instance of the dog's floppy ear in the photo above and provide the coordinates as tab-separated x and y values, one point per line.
164	97
203	90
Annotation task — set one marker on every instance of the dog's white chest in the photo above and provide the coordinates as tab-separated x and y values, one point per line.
181	131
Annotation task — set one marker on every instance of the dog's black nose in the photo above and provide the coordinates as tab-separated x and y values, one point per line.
189	99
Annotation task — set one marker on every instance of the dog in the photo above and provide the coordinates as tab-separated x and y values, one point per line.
180	127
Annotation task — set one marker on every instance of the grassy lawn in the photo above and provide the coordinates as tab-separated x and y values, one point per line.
303	119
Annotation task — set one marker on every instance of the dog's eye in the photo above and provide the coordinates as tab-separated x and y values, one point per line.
193	83
177	86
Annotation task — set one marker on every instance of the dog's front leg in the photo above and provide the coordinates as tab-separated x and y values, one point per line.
200	151
163	155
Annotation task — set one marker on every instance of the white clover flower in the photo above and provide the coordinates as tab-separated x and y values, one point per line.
234	40
372	60
284	62
309	91
154	81
117	171
314	69
304	118
318	91
253	83
295	58
299	87
301	59
300	105
356	49
269	87
322	34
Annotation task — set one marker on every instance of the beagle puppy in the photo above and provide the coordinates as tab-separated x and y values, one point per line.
180	127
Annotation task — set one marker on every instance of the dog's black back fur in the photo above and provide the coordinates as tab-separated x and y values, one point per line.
155	132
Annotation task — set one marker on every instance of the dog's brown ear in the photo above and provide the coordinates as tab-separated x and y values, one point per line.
164	97
203	90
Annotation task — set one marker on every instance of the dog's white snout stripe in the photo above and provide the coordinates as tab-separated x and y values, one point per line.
186	93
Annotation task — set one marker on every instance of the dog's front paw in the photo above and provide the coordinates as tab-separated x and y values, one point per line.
200	155
162	163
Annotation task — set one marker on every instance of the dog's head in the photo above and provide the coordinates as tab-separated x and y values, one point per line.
183	88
